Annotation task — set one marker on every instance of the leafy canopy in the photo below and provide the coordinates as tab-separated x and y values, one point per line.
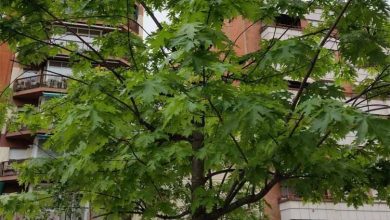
187	128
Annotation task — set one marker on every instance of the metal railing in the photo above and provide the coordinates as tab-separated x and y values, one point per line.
42	80
6	168
284	27
289	194
81	45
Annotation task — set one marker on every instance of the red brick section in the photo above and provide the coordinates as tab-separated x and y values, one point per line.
271	208
304	23
249	40
5	65
5	75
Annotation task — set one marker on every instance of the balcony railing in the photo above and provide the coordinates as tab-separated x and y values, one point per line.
43	80
81	45
289	194
6	168
269	32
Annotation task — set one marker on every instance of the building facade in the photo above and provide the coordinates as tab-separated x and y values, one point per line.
6	63
284	203
35	84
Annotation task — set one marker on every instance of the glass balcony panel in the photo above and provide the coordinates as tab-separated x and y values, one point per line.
27	83
54	81
44	80
60	67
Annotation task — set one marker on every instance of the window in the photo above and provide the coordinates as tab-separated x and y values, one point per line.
95	32
135	12
82	31
286	20
295	84
60	67
27	72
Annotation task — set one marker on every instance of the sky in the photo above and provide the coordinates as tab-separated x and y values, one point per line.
149	25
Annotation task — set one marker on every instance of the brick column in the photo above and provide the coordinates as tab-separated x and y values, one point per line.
6	57
271	209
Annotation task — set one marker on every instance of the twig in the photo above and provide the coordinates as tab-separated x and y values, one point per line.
230	134
151	14
316	56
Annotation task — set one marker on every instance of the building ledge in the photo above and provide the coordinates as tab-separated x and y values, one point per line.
23	134
8	178
284	27
297	199
7	172
36	92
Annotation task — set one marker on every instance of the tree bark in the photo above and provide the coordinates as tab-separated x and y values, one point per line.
197	174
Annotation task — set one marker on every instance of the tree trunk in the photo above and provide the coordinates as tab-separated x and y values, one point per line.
197	174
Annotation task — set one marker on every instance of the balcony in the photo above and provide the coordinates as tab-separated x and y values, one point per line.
7	173
289	194
285	32
83	36
65	41
20	135
33	86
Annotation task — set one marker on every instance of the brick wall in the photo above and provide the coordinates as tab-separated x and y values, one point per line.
6	57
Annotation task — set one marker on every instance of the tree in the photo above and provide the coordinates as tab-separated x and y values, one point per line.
169	135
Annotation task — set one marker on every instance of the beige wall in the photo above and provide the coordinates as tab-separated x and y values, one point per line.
4	154
328	211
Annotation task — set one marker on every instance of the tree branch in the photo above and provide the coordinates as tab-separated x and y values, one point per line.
234	190
245	200
369	88
230	134
222	182
211	174
128	36
268	49
151	14
316	56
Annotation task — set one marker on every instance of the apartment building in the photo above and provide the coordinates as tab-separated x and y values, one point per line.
6	57
35	84
285	204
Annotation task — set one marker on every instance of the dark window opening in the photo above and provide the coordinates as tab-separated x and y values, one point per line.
286	20
135	12
296	84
